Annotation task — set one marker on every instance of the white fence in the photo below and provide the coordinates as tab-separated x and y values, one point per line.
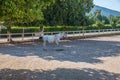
35	35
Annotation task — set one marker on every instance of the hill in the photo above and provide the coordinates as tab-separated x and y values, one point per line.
105	11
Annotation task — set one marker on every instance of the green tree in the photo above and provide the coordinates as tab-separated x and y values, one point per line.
68	12
22	11
100	24
113	20
98	19
91	18
105	18
97	15
118	19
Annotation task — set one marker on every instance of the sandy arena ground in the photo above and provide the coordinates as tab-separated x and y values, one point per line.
85	59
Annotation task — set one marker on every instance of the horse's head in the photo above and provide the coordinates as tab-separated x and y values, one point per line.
63	34
41	34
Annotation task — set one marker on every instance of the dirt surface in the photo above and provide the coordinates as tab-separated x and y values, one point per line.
85	59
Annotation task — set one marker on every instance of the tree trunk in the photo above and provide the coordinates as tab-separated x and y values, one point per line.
41	28
41	31
9	38
64	28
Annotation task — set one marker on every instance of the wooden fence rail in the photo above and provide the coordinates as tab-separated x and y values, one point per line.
35	35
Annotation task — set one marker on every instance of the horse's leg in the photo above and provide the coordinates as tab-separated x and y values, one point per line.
44	44
57	42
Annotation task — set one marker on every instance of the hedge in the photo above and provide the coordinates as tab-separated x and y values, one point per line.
16	29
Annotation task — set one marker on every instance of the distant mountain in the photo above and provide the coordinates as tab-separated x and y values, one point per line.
105	11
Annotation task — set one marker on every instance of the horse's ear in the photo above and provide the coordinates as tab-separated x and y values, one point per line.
42	34
65	34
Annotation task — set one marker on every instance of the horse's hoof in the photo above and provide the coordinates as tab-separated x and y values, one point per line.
45	49
59	49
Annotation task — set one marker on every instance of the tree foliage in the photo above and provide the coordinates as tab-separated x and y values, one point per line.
67	12
97	18
12	11
113	20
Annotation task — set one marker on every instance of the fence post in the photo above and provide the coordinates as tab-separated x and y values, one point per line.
79	33
9	37
111	31
0	30
83	31
51	33
33	37
23	34
98	31
73	34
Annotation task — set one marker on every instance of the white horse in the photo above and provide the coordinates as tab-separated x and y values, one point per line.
53	38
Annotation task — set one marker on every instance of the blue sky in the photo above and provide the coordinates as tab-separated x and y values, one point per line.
111	4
